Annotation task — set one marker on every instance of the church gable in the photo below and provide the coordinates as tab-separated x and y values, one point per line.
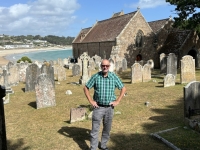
158	24
174	41
81	35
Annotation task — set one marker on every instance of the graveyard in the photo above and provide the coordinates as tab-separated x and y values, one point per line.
148	107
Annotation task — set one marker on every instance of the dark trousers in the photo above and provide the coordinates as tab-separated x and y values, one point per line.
105	113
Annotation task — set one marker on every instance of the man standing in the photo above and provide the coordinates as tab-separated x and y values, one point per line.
103	101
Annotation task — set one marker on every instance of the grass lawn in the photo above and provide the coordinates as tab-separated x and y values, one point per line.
49	128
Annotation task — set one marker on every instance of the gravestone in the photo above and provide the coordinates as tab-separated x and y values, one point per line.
45	92
112	62
118	66
76	70
150	63
187	69
55	67
39	64
172	64
191	98
163	63
22	71
55	62
10	64
6	82
13	78
124	64
77	114
96	59
92	64
136	73
49	71
61	71
84	78
146	73
51	62
32	73
3	139
79	62
169	80
141	62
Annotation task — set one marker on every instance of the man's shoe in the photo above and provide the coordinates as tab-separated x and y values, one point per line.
103	148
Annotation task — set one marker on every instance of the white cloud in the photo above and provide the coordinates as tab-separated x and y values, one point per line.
41	17
148	3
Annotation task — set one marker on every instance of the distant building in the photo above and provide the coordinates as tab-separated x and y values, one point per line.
18	46
130	36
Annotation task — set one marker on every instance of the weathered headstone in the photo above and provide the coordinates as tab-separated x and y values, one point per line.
32	73
146	73
55	72
124	64
60	62
10	64
172	64
6	82
49	71
169	80
22	71
39	64
112	63
118	66
45	92
89	72
163	63
150	63
92	64
76	70
13	78
191	98
77	114
61	73
136	73
187	69
84	78
51	62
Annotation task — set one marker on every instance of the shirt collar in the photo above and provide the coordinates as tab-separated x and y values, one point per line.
101	73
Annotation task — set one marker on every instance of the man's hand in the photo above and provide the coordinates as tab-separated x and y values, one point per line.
94	104
114	103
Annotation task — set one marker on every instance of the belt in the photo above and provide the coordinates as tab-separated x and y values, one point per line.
104	105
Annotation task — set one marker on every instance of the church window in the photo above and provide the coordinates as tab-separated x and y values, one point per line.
139	38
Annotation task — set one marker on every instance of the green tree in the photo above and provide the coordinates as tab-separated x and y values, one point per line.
188	14
25	58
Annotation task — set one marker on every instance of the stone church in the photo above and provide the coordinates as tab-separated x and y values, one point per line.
130	36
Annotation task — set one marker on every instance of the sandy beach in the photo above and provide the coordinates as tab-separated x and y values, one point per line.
5	52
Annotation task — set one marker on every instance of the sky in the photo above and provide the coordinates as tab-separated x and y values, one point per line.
68	17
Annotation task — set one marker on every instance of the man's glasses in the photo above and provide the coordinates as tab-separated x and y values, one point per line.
105	66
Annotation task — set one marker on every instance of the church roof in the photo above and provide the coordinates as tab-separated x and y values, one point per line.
174	41
105	30
158	24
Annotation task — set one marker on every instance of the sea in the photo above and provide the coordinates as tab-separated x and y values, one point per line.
43	55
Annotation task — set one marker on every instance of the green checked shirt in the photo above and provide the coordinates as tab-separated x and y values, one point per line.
104	87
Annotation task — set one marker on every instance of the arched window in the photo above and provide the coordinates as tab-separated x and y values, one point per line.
139	39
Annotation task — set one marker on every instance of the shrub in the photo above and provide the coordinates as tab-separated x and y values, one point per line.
25	58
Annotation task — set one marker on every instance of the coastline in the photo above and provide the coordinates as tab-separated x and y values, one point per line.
6	52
